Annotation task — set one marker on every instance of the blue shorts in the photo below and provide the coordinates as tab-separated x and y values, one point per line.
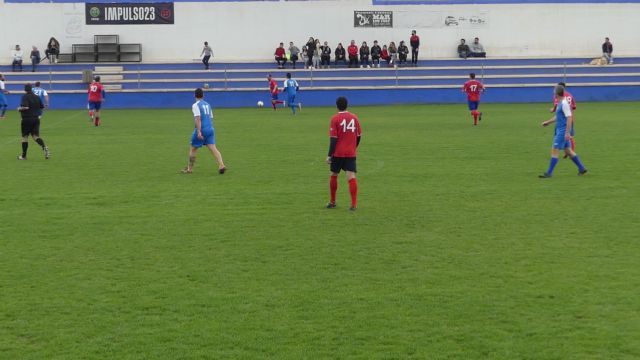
559	142
3	100
208	139
274	96
291	100
473	105
95	105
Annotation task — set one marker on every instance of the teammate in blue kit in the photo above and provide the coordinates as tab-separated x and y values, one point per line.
562	135
291	88
203	133
3	98
43	95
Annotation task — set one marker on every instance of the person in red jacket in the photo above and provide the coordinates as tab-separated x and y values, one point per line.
352	50
281	57
414	41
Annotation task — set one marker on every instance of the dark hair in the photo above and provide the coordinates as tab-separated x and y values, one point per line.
199	93
37	83
288	75
463	40
342	103
562	84
206	43
97	78
28	89
472	75
476	39
559	90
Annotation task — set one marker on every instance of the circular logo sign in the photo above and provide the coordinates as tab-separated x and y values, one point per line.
94	12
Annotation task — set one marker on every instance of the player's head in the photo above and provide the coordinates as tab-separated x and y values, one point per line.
341	103
288	75
37	83
1	77
199	94
559	91
96	78
28	89
562	84
269	77
472	76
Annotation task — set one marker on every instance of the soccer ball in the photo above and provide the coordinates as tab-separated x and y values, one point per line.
260	104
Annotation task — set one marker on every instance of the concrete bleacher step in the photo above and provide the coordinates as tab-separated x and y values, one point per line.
108	69
111	78
112	87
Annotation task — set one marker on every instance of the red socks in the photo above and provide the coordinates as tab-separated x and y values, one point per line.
97	121
333	185
91	114
573	144
353	189
475	114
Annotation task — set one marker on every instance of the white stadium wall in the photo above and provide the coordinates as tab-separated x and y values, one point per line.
246	31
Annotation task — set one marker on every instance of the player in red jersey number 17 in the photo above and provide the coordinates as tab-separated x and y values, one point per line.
344	135
473	88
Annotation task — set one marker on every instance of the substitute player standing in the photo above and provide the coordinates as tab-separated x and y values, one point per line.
344	135
562	135
473	88
203	133
96	97
572	103
291	88
274	91
43	95
30	108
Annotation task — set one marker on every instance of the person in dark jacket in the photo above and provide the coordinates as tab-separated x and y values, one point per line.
325	57
364	55
375	54
30	109
53	49
35	58
607	50
463	49
414	41
340	54
403	51
311	48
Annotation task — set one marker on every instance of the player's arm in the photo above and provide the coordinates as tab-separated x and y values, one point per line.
550	121
104	94
566	108
46	99
198	121
333	141
24	105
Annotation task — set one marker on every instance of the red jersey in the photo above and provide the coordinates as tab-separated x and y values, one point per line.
273	87
570	99
280	52
96	90
346	128
473	88
414	40
352	50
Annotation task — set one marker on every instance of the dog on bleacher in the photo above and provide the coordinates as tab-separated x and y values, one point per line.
601	61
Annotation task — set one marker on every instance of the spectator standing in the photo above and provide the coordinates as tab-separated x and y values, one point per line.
353	54
53	48
279	54
463	49
364	55
311	48
375	54
340	54
384	55
607	50
403	51
393	53
303	55
476	49
317	52
16	56
208	53
414	41
35	58
326	55
294	54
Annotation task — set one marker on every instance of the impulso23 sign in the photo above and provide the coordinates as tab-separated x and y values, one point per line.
128	13
373	18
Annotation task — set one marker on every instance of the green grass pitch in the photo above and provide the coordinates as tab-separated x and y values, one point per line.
457	250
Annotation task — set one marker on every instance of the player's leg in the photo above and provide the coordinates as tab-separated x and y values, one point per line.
576	159
216	154
335	167
192	160
26	131
292	103
96	121
92	110
353	189
555	151
35	134
473	105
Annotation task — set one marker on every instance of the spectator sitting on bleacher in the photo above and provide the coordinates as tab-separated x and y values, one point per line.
281	59
607	50
325	59
353	54
294	53
364	55
384	55
340	54
403	51
303	56
476	49
16	56
393	53
463	49
53	48
35	58
375	54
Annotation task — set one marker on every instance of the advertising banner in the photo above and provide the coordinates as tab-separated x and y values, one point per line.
128	13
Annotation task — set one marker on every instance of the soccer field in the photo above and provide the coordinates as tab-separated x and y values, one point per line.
457	249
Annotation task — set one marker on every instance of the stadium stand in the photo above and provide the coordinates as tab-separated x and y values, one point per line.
242	84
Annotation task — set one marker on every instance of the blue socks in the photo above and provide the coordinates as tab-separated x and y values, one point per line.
293	107
552	165
576	160
4	110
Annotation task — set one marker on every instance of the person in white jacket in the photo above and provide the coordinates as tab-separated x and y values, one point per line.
16	55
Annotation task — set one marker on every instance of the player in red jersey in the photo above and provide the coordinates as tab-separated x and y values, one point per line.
274	91
473	88
96	97
572	103
344	135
